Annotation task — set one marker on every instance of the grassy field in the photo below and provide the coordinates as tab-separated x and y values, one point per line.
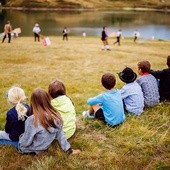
140	143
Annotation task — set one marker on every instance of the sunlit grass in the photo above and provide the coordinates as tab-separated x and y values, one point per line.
139	143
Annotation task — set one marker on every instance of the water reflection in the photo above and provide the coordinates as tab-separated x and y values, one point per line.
148	23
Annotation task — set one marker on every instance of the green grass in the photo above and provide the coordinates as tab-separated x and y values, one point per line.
139	143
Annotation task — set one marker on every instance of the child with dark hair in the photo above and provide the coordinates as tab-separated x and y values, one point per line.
107	106
62	103
164	81
43	126
148	84
131	92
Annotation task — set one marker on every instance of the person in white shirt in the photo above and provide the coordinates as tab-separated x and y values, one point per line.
36	30
119	34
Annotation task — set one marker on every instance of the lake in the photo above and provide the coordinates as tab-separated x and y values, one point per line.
149	24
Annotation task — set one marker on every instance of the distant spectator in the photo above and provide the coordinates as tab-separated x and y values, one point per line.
7	32
148	84
164	81
65	33
136	35
36	30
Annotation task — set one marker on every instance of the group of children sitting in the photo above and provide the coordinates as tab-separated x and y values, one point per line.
51	115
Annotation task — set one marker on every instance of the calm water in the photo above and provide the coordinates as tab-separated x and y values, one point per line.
149	24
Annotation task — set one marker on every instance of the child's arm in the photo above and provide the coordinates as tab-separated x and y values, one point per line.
27	137
8	125
65	145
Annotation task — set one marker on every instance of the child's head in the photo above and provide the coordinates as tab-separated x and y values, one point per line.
168	61
16	97
42	109
56	88
127	75
144	67
108	81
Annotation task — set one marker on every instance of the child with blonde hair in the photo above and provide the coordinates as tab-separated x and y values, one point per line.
43	126
16	116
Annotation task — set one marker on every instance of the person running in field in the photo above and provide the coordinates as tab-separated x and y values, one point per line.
148	84
107	106
118	37
63	104
7	32
164	81
15	118
104	38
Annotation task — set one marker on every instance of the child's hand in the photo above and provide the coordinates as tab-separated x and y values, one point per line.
75	151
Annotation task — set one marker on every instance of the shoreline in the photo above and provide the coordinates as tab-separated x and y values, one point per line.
86	9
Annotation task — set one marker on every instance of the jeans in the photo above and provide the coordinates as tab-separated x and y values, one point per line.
9	143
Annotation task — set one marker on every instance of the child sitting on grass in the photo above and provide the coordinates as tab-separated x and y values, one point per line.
62	103
131	92
16	116
43	126
107	106
164	81
148	84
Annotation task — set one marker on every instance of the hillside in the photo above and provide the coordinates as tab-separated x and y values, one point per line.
88	4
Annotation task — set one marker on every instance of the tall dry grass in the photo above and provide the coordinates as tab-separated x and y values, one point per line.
140	143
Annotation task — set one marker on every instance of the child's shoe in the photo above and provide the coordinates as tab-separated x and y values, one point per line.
86	114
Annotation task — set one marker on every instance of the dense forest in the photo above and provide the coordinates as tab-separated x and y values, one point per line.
87	4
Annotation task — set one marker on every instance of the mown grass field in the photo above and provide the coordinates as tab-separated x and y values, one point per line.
140	143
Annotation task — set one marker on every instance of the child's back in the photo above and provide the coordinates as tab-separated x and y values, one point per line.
131	92
148	84
64	106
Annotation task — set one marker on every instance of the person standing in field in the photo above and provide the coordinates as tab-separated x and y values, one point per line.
136	35
104	38
164	81
15	118
7	32
36	30
65	33
118	37
63	104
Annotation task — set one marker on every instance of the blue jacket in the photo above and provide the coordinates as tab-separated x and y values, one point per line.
14	127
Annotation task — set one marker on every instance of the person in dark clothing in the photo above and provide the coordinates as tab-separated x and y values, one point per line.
104	38
16	116
65	33
164	81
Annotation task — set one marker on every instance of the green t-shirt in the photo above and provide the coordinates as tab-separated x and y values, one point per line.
65	107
